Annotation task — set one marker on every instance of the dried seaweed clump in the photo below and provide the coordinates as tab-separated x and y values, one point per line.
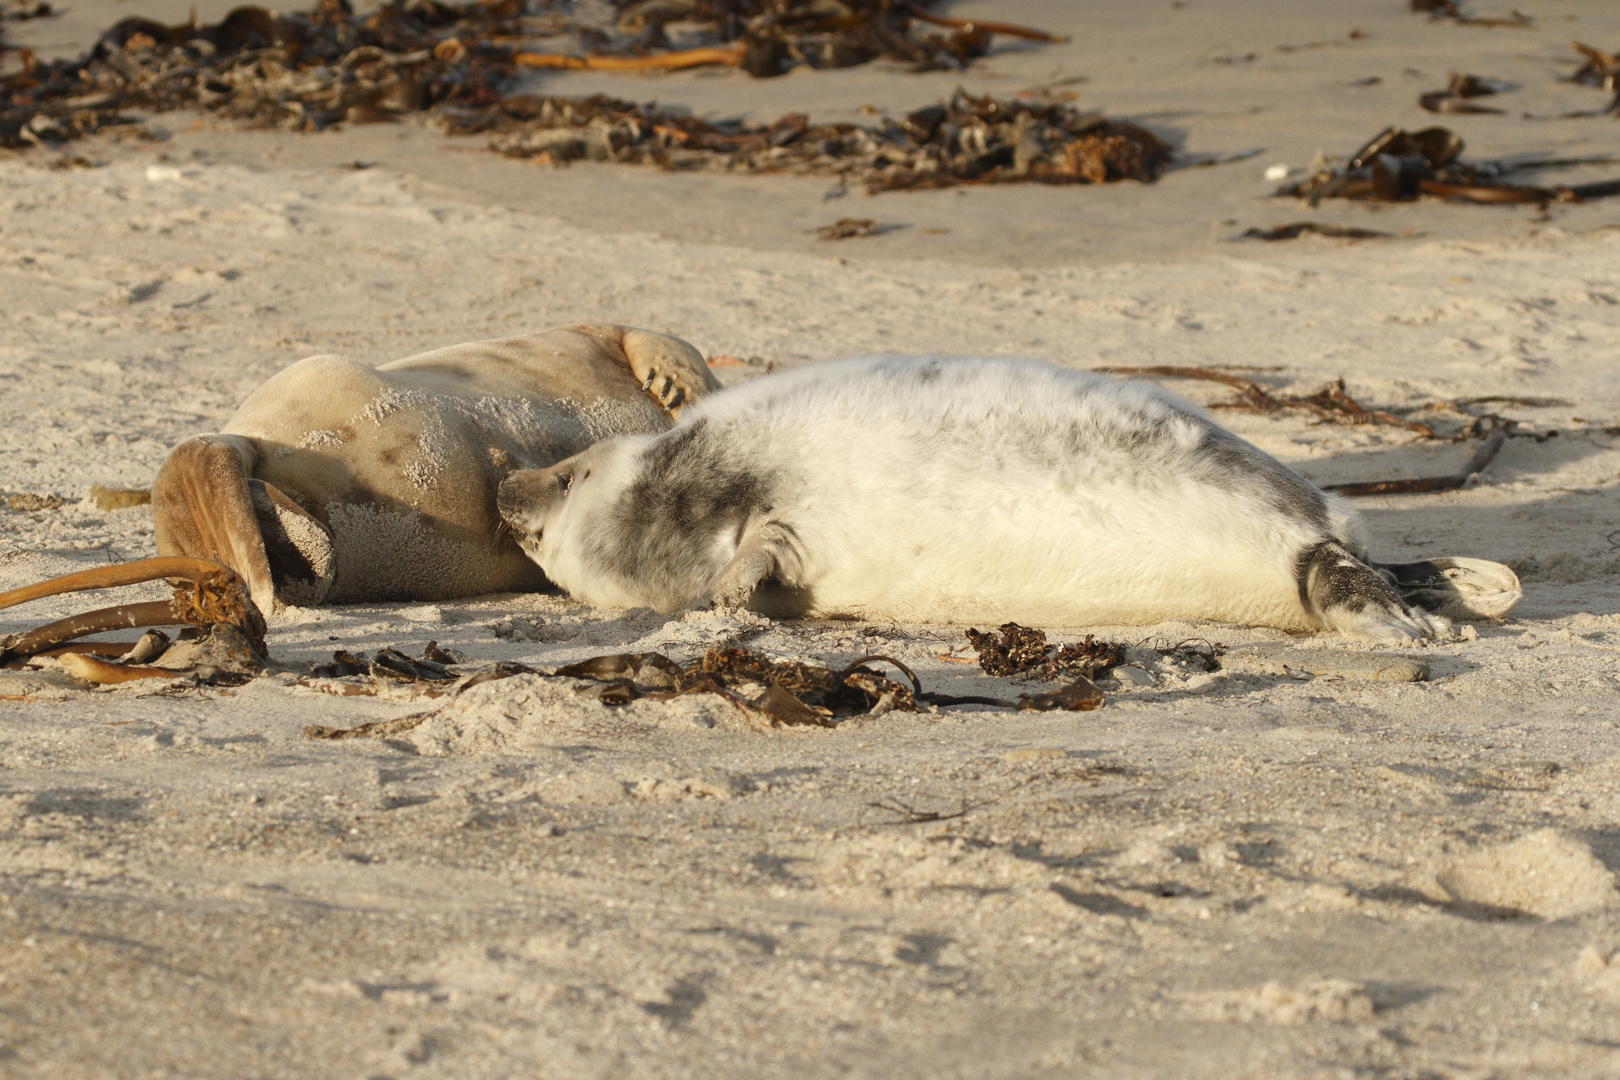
775	35
787	692
967	140
307	70
1023	651
1602	70
1399	166
303	71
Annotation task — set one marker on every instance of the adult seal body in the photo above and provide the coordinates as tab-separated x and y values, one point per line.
338	482
964	490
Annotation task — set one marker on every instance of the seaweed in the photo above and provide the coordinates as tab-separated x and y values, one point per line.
1602	70
1294	230
846	228
1331	403
310	69
965	140
1400	166
1458	96
1453	11
207	597
1021	650
789	693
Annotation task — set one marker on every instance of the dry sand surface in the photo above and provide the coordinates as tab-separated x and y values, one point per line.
1252	872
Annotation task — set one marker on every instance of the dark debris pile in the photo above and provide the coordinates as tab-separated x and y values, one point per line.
309	70
967	140
1400	166
776	35
785	692
1023	651
1602	70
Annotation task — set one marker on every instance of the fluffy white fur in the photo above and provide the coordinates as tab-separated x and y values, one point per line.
957	490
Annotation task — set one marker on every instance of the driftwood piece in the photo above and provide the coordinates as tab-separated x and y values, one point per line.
1417	485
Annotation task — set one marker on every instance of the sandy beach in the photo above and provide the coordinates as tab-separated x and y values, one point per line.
1255	871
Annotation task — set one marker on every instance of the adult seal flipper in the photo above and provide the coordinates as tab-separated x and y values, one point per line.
337	482
202	507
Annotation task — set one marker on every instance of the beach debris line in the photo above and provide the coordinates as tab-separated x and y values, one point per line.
224	640
1459	95
767	38
848	228
1331	403
1021	650
1453	11
1602	70
308	70
965	140
1399	166
1295	229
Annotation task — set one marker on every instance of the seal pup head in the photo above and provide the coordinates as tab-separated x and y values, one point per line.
557	512
637	520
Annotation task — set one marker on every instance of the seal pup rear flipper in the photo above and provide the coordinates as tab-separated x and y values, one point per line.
204	504
1456	588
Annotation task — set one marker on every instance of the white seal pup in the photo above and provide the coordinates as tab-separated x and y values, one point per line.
966	490
337	482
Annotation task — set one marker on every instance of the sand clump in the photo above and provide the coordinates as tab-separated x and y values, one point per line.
1549	874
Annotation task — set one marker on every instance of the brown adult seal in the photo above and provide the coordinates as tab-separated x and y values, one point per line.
336	482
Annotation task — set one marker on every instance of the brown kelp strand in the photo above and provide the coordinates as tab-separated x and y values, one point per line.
1400	166
310	69
967	140
1452	11
1602	70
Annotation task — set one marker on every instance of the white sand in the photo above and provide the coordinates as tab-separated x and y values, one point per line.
1237	875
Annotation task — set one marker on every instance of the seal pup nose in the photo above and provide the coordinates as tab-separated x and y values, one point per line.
525	496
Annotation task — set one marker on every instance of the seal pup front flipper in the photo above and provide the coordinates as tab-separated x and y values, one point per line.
202	507
766	571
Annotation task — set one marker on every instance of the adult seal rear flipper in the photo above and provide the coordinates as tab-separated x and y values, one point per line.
1456	588
202	506
299	547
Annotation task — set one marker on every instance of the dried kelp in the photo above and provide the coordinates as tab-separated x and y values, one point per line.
1295	229
767	38
311	69
966	140
1602	70
207	595
1331	403
1021	650
1453	11
785	692
1399	166
1458	96
848	228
